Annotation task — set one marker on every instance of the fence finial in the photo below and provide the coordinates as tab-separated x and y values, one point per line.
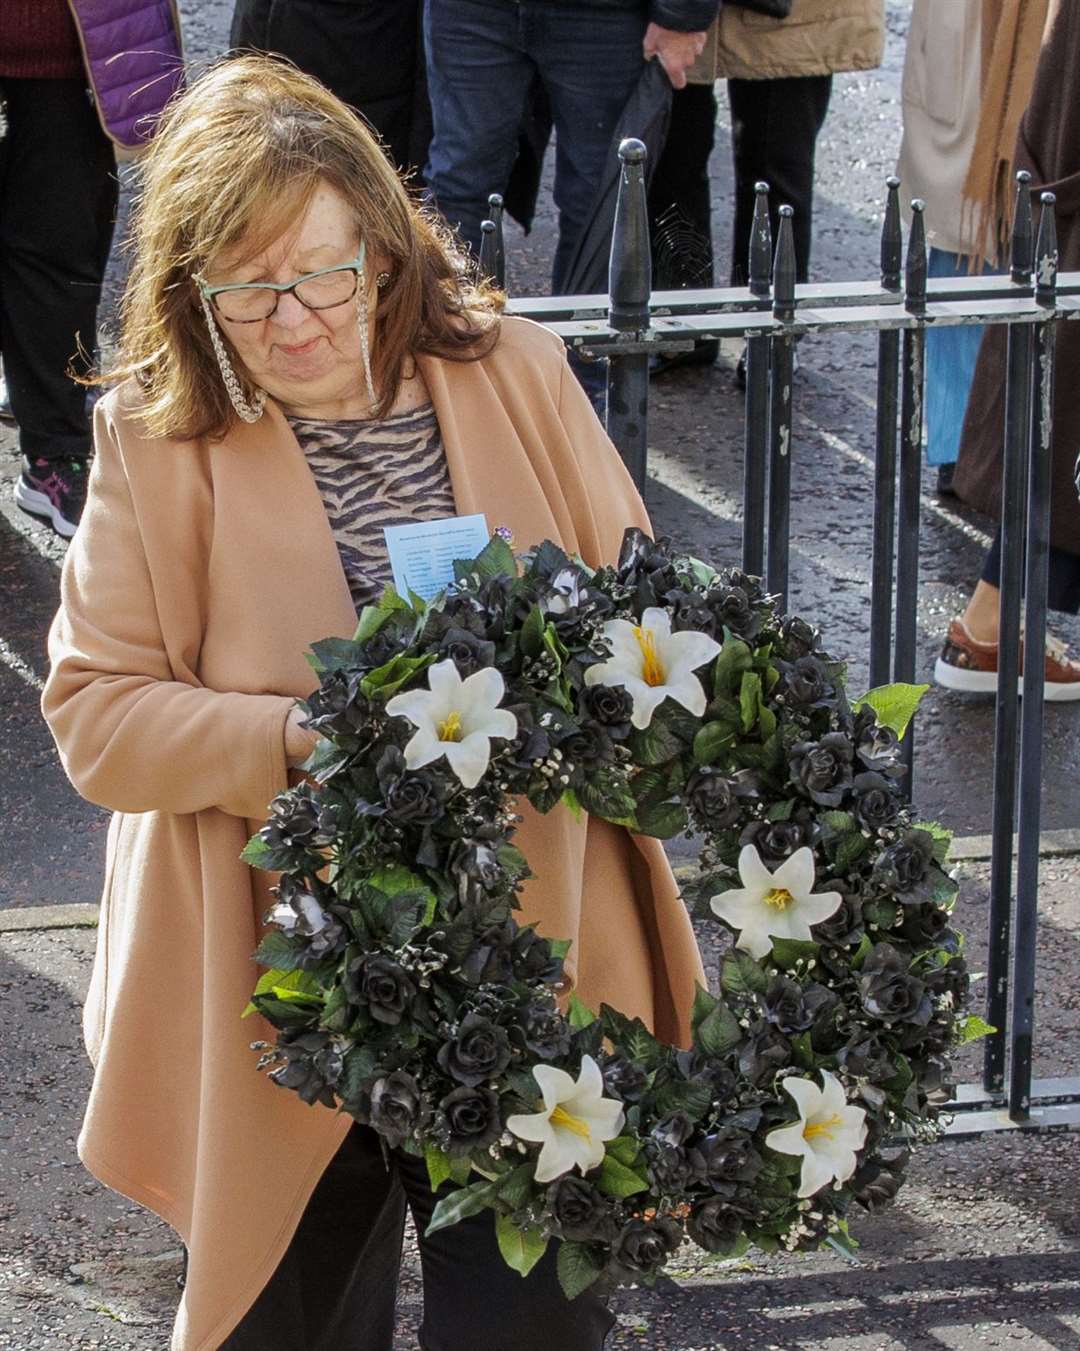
892	239
1023	233
630	268
495	213
784	268
488	261
760	261
915	269
1046	253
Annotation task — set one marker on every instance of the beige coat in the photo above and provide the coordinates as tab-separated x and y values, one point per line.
819	37
198	577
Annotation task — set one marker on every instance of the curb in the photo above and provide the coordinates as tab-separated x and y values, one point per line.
965	849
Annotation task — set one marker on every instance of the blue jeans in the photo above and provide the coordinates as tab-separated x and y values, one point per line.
482	58
951	354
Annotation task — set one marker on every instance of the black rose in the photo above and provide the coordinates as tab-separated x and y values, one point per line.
491	959
877	1181
533	961
867	1057
298	820
798	639
693	615
903	870
383	645
673	1130
409	798
643	1246
395	1107
924	925
698	1067
725	1156
713	799
310	1063
791	1008
339	708
623	1079
477	862
764	1051
376	982
480	1050
844	927
467	651
610	705
806	683
581	1213
714	1225
469	1120
300	913
876	804
953	979
734	610
822	769
778	840
546	1032
889	992
586	749
669	1167
877	747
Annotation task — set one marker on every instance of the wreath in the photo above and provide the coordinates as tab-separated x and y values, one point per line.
667	697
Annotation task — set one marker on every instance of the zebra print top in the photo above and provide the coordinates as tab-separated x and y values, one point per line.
373	472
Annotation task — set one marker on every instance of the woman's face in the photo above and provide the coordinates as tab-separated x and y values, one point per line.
308	360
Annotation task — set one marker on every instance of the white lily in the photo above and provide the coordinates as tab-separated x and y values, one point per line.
774	905
575	1122
456	718
827	1134
654	664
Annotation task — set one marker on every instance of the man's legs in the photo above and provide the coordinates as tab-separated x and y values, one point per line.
478	79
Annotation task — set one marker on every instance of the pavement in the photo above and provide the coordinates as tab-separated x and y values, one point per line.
981	1249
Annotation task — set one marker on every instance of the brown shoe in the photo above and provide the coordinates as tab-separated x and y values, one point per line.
970	666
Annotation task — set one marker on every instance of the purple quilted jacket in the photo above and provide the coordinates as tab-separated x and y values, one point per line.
134	60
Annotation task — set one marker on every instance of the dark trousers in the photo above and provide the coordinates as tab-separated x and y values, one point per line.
367	52
1063	582
482	58
680	199
774	130
335	1287
57	208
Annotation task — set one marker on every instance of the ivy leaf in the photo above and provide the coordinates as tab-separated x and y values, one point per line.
740	974
894	705
521	1248
719	1031
373	617
616	1179
578	1014
255	852
971	1028
849	848
333	654
625	1148
460	1205
578	1266
278	950
495	559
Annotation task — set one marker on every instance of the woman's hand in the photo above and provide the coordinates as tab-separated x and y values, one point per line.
299	741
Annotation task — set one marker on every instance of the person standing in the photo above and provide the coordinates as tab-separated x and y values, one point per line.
779	78
68	97
369	53
483	56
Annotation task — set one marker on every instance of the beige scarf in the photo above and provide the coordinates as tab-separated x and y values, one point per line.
1012	34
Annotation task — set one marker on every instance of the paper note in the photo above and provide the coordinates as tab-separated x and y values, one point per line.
422	555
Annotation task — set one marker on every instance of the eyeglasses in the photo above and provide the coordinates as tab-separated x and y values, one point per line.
245	303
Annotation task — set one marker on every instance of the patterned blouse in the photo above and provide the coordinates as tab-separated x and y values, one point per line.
373	472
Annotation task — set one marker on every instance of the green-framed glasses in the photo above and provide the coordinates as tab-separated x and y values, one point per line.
249	303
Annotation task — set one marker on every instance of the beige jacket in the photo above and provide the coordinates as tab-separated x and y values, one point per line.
819	37
199	575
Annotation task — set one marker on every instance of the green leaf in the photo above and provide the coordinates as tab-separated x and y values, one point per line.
460	1205
766	720
866	946
711	741
781	811
850	848
740	974
438	1165
704	1003
373	617
279	951
786	952
531	637
460	1168
255	851
749	699
656	744
894	705
333	654
578	1266
286	985
942	838
515	1187
569	800
838	822
625	1148
520	1248
495	559
734	658
719	1031
663	821
882	914
615	1179
971	1028
578	1014
387	679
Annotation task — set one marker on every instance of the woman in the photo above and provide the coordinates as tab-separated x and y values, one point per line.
258	441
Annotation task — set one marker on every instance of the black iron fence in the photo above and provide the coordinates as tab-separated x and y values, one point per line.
632	323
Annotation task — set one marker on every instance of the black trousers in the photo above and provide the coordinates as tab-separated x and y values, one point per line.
774	130
1063	581
680	201
369	53
57	208
335	1287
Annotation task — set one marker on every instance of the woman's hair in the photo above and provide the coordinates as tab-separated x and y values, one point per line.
234	164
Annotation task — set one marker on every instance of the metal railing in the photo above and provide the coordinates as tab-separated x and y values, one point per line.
632	323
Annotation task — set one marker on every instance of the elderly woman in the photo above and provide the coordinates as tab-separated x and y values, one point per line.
303	362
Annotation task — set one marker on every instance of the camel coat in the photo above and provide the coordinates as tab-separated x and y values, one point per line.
199	575
819	37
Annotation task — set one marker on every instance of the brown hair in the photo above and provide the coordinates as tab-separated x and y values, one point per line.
236	160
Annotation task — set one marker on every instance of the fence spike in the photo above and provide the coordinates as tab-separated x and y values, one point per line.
915	269
760	262
1046	253
784	268
495	209
630	268
892	238
488	263
1023	233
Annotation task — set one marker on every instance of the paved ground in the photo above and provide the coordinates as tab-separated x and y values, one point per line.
982	1249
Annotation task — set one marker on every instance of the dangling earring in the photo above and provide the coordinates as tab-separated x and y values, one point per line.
365	346
247	412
